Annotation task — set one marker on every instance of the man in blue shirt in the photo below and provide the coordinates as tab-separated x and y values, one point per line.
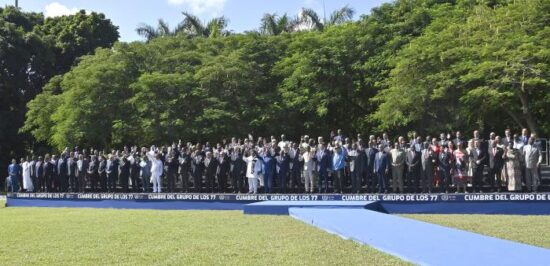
13	172
268	168
338	165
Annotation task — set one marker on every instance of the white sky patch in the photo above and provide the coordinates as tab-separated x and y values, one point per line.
201	7
55	9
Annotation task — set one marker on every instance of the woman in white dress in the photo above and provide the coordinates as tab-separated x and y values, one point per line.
27	181
512	158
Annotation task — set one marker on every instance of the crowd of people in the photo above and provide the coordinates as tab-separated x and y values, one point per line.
337	164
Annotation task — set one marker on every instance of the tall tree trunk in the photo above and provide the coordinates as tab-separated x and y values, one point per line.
515	117
523	97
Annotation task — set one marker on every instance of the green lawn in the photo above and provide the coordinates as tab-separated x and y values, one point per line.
533	230
57	236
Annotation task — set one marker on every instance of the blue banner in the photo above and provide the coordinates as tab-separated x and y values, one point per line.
474	197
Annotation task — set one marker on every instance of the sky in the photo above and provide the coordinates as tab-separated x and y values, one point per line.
243	14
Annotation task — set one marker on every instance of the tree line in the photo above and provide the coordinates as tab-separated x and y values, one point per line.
422	65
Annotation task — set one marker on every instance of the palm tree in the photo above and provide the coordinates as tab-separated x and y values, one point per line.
310	19
162	30
275	25
192	25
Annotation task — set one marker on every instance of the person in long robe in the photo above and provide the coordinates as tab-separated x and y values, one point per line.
27	180
512	158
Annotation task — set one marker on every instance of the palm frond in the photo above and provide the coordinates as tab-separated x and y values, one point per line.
147	31
311	19
340	16
216	27
193	25
269	25
163	28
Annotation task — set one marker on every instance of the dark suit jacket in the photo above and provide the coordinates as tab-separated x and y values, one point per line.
224	165
371	155
101	167
445	160
324	161
239	166
381	163
185	164
62	170
211	168
39	169
198	166
360	161
495	159
72	167
284	164
413	161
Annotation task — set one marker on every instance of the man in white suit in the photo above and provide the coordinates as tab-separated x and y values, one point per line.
533	159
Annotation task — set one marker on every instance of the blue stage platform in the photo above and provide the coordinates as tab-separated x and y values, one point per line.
129	204
282	207
478	203
419	242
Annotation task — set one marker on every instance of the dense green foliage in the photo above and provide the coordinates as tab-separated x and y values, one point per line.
424	65
32	51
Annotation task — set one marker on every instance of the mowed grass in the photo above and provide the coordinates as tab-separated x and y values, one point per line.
59	236
533	230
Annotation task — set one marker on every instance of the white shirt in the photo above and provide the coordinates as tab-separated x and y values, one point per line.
249	166
156	167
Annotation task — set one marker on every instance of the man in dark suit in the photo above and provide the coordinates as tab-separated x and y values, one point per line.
445	165
458	140
496	162
428	163
184	169
62	174
93	175
223	170
82	166
172	165
356	157
413	169
39	173
295	167
135	170
324	160
371	176
124	175
381	168
210	170
34	178
479	156
49	173
283	163
238	167
198	169
508	138
102	174
524	138
71	163
112	173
